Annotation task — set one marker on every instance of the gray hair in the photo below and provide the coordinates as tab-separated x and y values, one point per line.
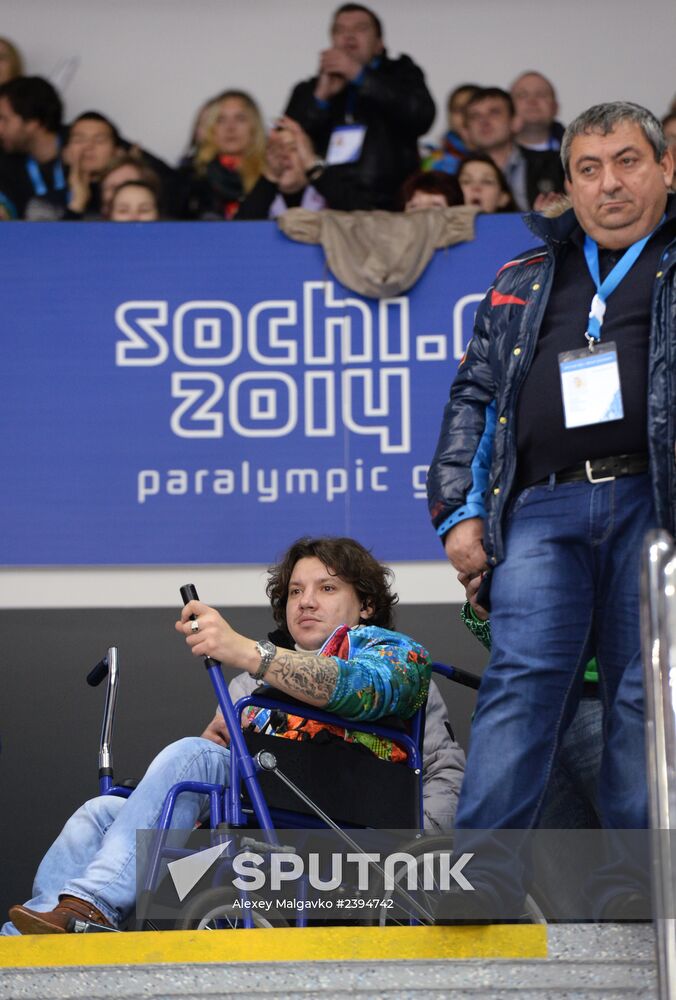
604	118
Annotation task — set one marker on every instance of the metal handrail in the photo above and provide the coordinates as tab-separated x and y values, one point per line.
658	637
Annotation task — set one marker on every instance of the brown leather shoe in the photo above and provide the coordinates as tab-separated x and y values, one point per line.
58	920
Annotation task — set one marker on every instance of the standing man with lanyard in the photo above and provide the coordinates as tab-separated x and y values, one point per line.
567	386
364	113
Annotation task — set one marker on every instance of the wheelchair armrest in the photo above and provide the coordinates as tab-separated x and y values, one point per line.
281	702
122	789
267	694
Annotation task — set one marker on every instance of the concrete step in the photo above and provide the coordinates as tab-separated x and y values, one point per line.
610	961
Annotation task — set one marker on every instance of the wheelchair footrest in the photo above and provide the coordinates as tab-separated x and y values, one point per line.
87	927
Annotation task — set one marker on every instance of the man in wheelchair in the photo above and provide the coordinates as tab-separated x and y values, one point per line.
333	602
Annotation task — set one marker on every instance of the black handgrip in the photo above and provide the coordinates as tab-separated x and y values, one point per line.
98	673
189	593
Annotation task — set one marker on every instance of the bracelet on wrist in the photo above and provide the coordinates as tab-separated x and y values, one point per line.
267	652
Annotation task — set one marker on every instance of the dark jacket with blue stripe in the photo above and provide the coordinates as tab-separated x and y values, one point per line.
473	469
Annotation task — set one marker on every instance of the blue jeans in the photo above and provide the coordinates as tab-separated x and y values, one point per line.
567	589
572	798
94	856
558	878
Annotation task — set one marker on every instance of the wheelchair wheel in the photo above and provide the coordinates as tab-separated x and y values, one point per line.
219	908
394	909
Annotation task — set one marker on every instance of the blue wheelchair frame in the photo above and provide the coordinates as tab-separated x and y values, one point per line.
225	802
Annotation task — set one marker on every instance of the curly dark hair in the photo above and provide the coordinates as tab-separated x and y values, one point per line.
347	559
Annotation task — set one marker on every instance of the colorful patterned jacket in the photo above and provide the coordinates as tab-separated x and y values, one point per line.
380	673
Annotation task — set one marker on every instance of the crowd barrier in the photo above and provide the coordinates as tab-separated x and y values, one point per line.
192	393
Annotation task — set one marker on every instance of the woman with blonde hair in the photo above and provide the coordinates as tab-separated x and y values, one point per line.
228	158
11	63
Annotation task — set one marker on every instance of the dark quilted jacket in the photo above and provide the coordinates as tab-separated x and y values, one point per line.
395	105
472	473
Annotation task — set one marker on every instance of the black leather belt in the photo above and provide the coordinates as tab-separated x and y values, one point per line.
600	470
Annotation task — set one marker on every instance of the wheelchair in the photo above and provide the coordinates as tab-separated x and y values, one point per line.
278	784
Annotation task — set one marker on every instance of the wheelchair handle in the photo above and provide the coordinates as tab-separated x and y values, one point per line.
106	743
189	593
98	673
246	765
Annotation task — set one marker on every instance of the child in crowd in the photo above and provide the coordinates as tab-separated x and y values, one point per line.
430	189
127	167
134	201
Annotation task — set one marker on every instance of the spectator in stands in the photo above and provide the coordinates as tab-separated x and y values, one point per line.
228	160
534	176
293	176
536	107
7	210
127	167
134	201
364	111
198	132
454	146
11	63
93	142
30	134
429	189
669	126
484	184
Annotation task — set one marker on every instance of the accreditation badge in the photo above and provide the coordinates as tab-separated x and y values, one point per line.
345	144
590	386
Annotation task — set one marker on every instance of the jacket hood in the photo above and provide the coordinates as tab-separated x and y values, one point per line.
552	230
560	228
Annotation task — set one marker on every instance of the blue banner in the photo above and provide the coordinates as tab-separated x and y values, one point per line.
203	393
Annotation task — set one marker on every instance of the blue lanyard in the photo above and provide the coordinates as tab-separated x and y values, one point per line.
607	287
37	180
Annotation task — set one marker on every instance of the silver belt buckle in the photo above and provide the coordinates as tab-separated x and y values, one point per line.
601	479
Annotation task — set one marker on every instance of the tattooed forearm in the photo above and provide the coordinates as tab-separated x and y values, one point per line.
311	678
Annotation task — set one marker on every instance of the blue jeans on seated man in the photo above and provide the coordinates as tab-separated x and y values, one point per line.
568	588
94	856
